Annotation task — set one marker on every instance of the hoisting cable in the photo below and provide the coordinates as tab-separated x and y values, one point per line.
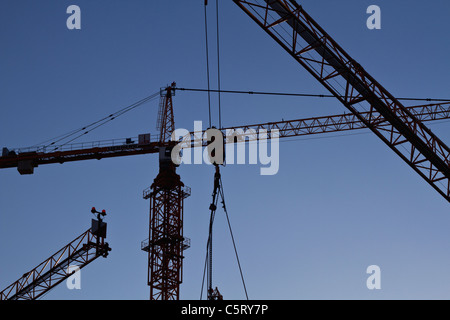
218	191
232	237
208	261
297	94
207	62
204	269
218	63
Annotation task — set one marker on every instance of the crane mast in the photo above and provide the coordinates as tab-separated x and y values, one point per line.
166	120
354	87
166	243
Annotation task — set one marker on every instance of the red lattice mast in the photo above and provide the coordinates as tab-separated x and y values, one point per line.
166	242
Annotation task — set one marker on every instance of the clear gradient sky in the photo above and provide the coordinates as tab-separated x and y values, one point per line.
338	204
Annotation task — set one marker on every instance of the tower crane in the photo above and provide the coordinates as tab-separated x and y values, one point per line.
80	252
371	105
167	193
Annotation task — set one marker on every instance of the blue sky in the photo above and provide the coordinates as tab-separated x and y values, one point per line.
336	206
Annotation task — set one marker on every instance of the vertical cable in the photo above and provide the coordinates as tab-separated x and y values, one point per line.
218	62
204	272
207	63
232	237
218	192
210	266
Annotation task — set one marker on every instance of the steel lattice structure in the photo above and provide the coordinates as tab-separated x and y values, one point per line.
166	121
80	252
303	38
370	104
289	128
166	242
